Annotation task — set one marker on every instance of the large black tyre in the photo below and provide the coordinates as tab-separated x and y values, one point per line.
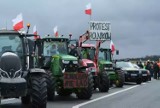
64	92
104	82
50	85
0	98
121	78
86	93
38	91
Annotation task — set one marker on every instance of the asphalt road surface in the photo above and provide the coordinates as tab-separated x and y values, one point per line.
146	95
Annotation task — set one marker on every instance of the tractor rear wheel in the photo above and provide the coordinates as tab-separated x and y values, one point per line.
104	82
86	93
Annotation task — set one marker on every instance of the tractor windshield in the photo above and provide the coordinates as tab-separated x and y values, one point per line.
56	47
88	53
105	55
11	43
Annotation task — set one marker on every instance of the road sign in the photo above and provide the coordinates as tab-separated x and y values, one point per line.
100	30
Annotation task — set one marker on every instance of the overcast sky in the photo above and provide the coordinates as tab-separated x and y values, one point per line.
135	23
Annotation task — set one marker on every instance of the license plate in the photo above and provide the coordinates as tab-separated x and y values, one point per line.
144	74
75	80
133	74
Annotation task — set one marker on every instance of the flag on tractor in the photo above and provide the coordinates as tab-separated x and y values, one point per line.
88	9
112	47
35	32
55	31
18	22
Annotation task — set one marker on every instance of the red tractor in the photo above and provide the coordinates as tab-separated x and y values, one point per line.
89	58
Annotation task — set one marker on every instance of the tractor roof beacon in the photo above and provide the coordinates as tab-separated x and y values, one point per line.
18	78
64	74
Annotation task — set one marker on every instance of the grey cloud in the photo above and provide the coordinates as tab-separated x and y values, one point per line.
135	23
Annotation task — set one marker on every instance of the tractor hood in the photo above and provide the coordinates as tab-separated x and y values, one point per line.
67	57
87	61
105	62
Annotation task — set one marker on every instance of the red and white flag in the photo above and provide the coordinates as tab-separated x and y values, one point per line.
18	22
55	31
88	10
35	32
112	47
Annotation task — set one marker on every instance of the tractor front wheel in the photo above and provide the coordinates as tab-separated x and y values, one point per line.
38	91
50	85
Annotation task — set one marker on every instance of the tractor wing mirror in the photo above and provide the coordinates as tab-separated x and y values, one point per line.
117	52
77	44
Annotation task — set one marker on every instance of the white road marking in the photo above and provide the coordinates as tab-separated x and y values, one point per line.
106	96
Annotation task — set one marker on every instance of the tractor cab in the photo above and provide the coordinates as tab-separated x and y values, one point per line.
50	47
105	54
11	42
88	51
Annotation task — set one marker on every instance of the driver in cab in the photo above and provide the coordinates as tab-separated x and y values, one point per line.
54	49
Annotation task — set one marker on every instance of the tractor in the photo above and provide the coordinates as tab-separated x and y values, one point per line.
90	59
116	75
65	75
18	77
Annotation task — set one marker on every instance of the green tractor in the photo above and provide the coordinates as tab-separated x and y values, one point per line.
106	63
65	76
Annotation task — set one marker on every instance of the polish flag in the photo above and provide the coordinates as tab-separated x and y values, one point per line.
55	31
18	22
88	9
112	47
35	32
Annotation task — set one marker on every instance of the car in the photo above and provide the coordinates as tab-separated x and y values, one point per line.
132	74
146	76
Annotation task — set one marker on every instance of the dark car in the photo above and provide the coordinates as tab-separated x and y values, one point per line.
132	74
146	76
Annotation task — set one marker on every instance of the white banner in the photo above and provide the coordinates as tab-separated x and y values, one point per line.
100	30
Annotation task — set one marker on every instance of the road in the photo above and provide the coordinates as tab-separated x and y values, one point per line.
131	95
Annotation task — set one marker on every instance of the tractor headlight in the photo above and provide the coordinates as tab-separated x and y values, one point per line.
65	61
4	74
93	70
75	62
105	68
108	68
17	74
